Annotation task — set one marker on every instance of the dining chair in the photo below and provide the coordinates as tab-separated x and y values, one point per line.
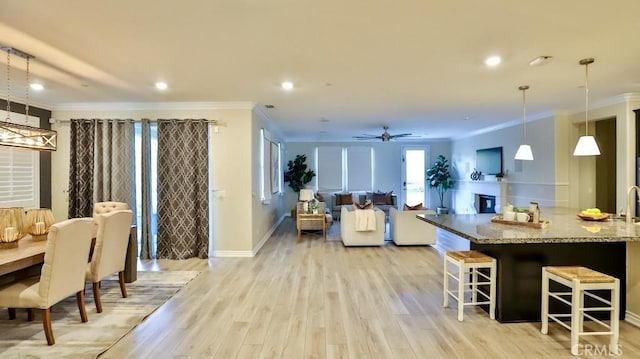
62	274
109	206
110	251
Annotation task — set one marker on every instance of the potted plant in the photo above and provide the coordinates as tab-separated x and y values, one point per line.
297	175
439	178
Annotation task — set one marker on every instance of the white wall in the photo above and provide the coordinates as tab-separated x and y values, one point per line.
526	180
232	165
266	216
387	164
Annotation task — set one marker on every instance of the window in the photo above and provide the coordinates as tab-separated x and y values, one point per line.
344	168
359	169
20	171
329	168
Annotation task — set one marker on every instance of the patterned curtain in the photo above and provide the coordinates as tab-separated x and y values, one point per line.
81	169
183	196
102	164
147	245
114	162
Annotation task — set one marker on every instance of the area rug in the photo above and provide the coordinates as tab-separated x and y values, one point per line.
74	339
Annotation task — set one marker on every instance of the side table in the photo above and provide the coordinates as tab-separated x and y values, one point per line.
308	221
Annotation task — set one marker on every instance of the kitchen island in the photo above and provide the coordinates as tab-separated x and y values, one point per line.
522	251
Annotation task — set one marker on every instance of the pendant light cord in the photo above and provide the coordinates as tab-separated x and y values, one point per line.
524	88
586	98
8	118
524	117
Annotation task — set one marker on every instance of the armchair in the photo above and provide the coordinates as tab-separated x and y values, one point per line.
351	237
406	229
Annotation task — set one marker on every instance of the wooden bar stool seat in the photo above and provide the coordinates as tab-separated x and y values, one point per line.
581	280
469	263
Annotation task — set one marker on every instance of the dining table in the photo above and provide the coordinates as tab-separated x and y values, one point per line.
27	255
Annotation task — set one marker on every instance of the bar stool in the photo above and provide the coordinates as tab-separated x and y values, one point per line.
468	263
581	280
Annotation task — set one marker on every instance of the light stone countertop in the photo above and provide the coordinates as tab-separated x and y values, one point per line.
565	227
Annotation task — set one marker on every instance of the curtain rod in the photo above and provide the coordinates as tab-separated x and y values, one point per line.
215	122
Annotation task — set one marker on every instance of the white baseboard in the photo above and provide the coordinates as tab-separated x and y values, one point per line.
249	254
267	235
237	254
632	318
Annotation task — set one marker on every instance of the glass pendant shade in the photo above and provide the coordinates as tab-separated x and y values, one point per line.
524	153
586	146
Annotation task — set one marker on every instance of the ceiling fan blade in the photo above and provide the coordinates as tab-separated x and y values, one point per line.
365	136
402	135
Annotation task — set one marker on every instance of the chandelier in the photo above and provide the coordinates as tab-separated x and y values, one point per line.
23	136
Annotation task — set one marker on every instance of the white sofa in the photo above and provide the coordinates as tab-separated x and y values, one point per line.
351	237
406	229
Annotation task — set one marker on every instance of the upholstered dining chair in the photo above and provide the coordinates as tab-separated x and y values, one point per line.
106	207
62	274
110	251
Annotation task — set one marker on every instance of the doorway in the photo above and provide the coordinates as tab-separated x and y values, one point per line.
414	166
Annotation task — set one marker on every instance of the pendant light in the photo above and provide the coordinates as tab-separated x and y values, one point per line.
524	151
23	136
586	145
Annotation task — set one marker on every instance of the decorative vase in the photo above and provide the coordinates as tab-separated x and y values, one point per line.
38	222
442	210
11	226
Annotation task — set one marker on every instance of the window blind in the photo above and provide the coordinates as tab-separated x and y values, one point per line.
329	168
359	169
19	172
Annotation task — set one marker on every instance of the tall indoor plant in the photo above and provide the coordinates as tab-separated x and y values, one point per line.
298	174
439	178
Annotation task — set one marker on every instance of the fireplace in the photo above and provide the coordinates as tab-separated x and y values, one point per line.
485	203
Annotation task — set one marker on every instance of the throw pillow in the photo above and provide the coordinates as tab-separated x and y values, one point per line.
345	198
379	198
366	205
417	207
319	197
389	197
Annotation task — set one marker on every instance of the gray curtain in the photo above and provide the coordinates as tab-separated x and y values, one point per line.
81	169
183	196
114	162
102	164
147	245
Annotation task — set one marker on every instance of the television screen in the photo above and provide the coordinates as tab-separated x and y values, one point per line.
489	161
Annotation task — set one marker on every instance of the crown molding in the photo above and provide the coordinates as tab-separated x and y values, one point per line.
500	126
120	106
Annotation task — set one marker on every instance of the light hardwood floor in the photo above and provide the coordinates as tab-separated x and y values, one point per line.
318	299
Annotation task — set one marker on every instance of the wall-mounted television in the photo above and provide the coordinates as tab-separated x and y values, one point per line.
489	161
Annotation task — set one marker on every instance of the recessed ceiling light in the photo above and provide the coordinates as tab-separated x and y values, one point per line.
287	85
493	61
540	60
37	87
161	85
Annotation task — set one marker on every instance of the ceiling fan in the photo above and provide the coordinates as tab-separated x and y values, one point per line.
385	136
